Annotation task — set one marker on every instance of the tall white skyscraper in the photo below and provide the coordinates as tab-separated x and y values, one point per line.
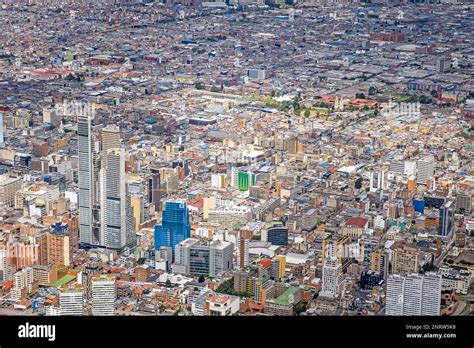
105	211
104	293
415	294
117	221
89	229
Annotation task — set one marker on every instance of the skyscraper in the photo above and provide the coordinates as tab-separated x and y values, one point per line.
175	226
415	294
155	195
117	221
110	137
2	143
89	229
446	218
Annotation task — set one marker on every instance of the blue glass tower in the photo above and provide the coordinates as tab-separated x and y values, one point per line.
175	225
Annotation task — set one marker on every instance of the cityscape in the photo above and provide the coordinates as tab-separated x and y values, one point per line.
236	158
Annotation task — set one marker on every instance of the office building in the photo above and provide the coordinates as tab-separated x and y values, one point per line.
278	235
175	225
110	137
463	203
71	300
279	267
332	279
425	170
155	196
89	209
246	180
446	218
220	258
104	293
377	180
117	221
2	140
369	279
379	262
195	257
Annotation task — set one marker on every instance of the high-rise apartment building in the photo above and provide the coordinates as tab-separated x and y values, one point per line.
414	294
243	258
104	293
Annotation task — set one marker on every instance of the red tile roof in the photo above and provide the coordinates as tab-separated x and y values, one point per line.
356	221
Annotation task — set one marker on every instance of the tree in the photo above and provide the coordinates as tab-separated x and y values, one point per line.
201	279
199	85
358	183
360	95
372	90
434	93
307	113
168	283
141	261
